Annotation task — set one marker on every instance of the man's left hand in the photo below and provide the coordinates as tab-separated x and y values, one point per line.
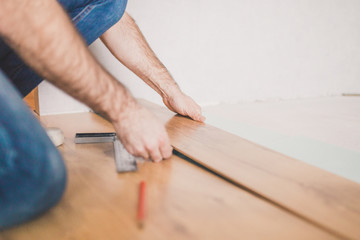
179	102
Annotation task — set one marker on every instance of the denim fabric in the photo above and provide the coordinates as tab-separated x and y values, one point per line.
91	17
32	172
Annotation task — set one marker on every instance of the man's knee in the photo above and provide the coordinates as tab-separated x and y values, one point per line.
54	177
116	10
36	191
50	185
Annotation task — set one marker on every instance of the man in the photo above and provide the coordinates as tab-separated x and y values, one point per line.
40	33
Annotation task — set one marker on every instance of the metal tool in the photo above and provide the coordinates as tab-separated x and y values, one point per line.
125	162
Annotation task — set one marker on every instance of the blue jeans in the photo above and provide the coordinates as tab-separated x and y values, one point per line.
32	172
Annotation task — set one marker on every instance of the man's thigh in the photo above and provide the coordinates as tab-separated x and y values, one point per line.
32	172
94	17
74	7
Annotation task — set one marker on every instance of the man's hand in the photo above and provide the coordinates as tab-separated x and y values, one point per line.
143	135
180	103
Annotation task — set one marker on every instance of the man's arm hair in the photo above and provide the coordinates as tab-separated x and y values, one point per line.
42	34
129	46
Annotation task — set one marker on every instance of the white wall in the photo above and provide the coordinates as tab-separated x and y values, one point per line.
247	50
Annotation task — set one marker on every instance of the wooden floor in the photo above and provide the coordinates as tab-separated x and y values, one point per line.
183	200
31	99
323	198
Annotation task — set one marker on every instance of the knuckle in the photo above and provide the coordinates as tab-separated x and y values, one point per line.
139	150
144	155
154	153
163	140
151	146
156	156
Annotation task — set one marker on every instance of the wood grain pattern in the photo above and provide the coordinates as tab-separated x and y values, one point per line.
321	197
183	201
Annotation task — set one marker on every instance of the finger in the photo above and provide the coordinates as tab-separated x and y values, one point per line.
145	155
197	116
130	150
196	113
166	150
201	118
141	152
165	147
156	155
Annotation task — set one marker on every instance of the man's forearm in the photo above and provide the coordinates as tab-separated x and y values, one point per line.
41	33
127	43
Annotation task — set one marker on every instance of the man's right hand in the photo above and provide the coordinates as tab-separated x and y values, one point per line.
142	134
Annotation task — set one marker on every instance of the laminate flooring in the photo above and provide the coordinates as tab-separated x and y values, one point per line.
318	196
183	200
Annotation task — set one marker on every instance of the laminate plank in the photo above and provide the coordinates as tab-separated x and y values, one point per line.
183	200
322	198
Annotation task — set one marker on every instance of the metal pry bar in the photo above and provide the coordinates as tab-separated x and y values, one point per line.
125	162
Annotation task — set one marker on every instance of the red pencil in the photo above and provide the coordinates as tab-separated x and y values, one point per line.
141	206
